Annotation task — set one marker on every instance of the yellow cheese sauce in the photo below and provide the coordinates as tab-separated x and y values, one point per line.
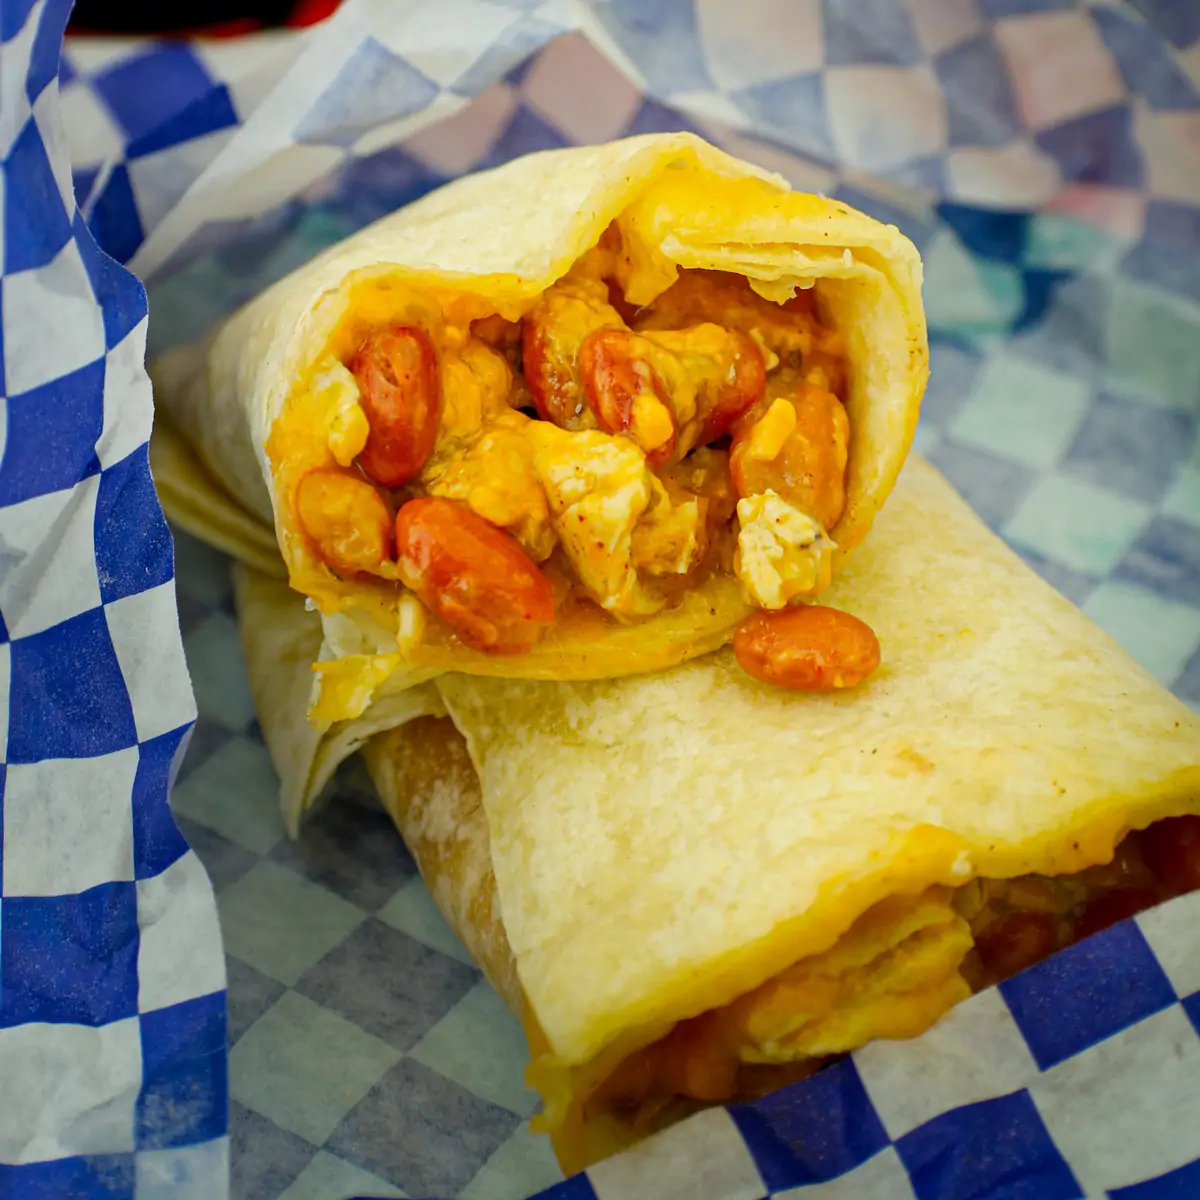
593	432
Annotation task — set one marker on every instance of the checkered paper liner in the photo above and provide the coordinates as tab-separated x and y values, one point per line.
367	1054
112	1002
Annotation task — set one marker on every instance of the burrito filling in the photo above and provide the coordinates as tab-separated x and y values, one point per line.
582	458
893	974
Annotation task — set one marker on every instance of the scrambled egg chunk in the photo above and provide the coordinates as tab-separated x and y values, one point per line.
600	491
782	553
348	426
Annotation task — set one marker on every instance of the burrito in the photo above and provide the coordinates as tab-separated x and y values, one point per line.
573	418
694	887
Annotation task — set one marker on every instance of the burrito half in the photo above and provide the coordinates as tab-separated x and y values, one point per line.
694	888
573	418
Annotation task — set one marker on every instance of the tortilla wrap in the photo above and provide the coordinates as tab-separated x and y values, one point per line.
797	873
243	417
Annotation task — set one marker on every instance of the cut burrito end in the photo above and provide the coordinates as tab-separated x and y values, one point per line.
576	417
695	889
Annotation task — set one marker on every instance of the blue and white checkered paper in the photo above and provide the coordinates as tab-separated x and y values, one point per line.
1064	404
112	1002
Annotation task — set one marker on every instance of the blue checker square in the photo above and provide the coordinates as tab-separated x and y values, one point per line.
869	31
998	1148
1181	1184
1178	22
70	959
183	1100
794	110
1015	8
987	115
95	1176
1166	560
1191	1006
1099	147
1132	449
147	90
207	114
954	366
1156	259
157	842
52	435
121	297
133	543
67	696
1146	64
662	39
13	16
524	134
576	1188
115	222
813	1131
987	233
992	486
36	224
652	117
1087	993
374	86
47	48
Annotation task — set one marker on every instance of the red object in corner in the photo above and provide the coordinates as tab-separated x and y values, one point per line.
312	12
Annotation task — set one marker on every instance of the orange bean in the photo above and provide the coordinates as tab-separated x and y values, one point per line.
397	373
553	333
346	519
471	574
807	649
810	469
625	392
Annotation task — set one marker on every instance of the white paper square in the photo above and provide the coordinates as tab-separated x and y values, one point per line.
46	113
57	297
128	399
187	1173
443	41
14	60
48	559
705	1147
68	1089
159	180
92	135
1128	1108
145	635
68	824
180	956
754	42
880	1178
884	116
1171	931
975	1052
